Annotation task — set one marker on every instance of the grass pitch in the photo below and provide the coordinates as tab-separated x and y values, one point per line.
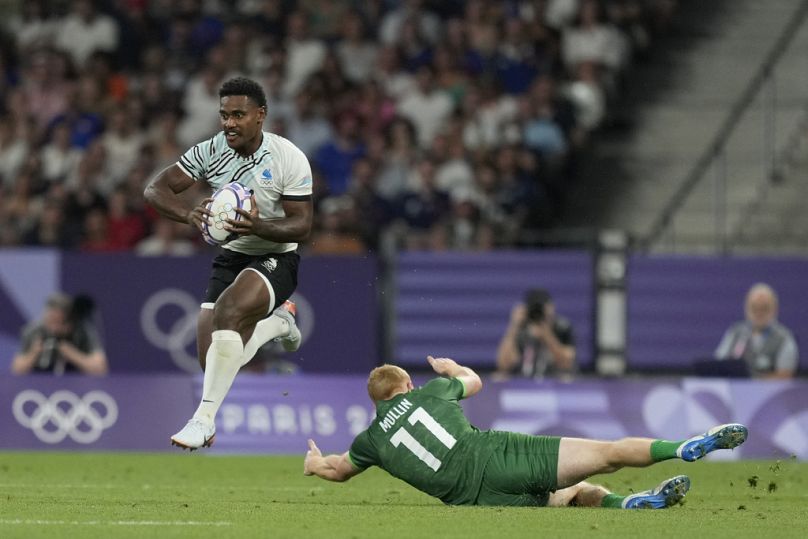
104	495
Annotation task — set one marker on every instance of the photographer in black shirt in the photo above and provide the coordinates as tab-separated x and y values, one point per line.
538	342
63	340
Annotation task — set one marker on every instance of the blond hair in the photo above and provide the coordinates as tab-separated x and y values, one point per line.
384	380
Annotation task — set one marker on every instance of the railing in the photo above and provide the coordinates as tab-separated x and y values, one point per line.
762	90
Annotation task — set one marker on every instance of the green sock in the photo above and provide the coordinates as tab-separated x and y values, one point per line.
614	501
664	450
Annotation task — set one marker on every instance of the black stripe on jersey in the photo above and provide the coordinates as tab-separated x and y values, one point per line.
212	148
197	154
217	166
249	166
296	198
192	169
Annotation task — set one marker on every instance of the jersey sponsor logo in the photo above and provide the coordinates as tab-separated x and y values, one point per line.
64	414
266	178
270	264
306	181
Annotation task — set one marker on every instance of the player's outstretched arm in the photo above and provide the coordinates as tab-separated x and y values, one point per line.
449	367
332	467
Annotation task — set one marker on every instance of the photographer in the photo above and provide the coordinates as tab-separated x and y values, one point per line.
64	340
538	342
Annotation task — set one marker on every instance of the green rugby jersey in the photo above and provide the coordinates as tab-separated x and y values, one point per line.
423	438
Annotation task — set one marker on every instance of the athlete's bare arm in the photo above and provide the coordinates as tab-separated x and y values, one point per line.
331	467
294	227
449	367
163	193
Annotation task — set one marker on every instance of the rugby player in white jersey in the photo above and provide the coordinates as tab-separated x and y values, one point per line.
253	275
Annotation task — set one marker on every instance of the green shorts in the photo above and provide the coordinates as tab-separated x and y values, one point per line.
523	472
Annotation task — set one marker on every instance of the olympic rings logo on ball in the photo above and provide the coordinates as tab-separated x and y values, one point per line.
65	414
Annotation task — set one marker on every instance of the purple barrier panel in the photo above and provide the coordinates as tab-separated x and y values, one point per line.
27	278
775	412
340	329
149	308
679	307
273	414
130	413
458	304
278	414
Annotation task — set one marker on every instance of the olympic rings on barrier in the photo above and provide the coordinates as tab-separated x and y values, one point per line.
63	414
178	338
176	334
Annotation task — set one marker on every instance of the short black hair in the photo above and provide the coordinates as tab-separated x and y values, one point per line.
244	86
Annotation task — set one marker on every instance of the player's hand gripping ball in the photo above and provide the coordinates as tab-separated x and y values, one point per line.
222	206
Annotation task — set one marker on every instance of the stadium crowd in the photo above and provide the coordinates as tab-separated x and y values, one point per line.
429	124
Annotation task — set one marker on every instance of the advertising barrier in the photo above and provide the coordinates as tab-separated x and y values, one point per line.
146	308
276	414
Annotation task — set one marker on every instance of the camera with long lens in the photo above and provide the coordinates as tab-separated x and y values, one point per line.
535	301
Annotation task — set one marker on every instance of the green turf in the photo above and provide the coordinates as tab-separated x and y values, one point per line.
194	495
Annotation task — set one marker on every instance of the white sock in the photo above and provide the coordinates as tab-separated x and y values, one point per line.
265	330
222	363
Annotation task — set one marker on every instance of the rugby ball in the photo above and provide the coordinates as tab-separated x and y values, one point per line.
223	205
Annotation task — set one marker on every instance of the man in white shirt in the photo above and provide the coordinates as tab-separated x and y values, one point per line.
85	31
246	303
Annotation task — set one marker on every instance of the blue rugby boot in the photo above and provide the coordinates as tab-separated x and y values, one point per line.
668	493
727	436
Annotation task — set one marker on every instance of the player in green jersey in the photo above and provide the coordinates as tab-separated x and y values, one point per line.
422	437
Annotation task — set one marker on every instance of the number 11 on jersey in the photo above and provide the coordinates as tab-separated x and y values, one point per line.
402	436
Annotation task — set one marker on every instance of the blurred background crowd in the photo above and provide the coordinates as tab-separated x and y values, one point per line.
429	124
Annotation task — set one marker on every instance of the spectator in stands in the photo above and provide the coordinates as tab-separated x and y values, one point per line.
425	22
424	210
373	212
49	228
766	345
122	143
398	160
168	239
335	159
201	96
336	216
86	30
132	75
13	150
63	340
305	54
537	343
126	225
592	39
308	128
388	72
34	27
467	228
59	156
357	55
45	86
427	107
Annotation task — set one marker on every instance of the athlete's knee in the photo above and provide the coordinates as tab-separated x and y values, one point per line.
227	314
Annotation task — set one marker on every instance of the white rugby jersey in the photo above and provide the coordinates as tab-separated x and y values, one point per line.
277	169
